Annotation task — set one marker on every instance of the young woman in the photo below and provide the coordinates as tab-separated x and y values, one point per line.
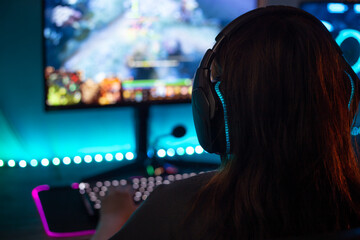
290	101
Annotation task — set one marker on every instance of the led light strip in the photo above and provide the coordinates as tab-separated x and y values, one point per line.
180	151
67	160
108	157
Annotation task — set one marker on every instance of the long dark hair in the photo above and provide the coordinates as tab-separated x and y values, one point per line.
293	170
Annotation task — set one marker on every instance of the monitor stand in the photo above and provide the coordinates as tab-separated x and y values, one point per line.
142	161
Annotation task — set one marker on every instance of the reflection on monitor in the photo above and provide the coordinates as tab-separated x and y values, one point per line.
121	52
343	21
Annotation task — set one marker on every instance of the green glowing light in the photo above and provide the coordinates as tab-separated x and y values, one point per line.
72	87
150	170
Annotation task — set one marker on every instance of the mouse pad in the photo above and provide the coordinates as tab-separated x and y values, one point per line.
62	211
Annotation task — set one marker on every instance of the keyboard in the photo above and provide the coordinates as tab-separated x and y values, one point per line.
143	186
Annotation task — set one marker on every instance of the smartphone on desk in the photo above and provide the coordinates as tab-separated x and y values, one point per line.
63	212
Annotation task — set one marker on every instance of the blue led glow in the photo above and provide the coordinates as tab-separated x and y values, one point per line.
66	160
345	34
77	159
11	163
119	156
34	163
190	150
45	162
129	156
180	151
56	161
109	157
337	8
22	163
170	152
98	158
72	2
161	153
199	150
328	25
227	134
355	131
352	90
357	8
88	159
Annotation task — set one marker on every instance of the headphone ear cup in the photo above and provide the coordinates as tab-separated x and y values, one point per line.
201	115
207	114
202	107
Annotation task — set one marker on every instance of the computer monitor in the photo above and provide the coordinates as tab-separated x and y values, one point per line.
342	19
128	52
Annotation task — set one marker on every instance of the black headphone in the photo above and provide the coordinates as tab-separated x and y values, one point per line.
208	104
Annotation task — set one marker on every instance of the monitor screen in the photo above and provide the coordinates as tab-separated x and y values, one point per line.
124	52
343	22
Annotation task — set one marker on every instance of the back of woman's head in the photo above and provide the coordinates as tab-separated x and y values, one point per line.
285	83
293	169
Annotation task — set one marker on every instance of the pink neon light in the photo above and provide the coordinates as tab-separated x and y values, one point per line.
35	195
75	185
